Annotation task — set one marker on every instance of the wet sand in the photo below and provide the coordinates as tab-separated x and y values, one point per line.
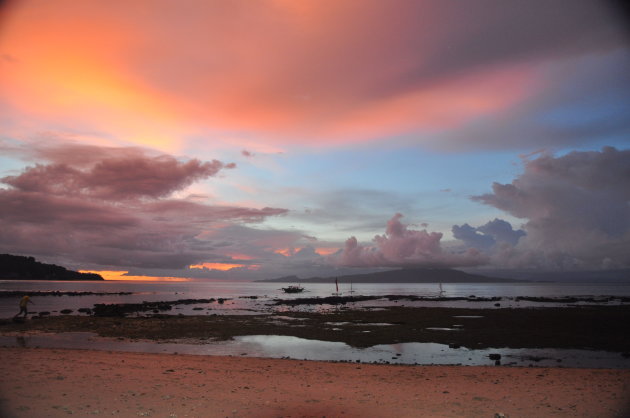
38	382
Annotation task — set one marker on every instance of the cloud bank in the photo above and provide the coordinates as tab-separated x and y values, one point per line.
576	214
115	208
576	210
404	247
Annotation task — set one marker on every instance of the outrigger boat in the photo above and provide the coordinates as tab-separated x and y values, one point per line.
293	289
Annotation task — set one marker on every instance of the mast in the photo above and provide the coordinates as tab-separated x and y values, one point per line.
336	287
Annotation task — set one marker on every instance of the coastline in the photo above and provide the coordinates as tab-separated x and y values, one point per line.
54	382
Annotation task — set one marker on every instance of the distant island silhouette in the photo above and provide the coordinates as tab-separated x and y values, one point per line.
17	267
411	275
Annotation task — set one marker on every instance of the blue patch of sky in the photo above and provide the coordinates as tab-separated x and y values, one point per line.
426	186
403	171
10	165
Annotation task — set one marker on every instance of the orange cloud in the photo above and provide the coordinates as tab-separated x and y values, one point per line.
324	251
79	77
122	275
287	252
328	71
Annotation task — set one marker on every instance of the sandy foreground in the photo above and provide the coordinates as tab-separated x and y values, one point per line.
37	382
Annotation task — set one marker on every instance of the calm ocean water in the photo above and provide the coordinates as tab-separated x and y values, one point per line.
239	294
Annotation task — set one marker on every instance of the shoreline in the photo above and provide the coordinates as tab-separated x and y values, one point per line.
58	382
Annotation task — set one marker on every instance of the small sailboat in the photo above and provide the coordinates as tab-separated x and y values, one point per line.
351	291
337	293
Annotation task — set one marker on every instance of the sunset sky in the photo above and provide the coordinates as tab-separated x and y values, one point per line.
256	139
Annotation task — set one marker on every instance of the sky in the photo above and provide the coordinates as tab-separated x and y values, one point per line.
257	139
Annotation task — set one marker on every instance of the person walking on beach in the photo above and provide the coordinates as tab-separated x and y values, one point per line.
24	305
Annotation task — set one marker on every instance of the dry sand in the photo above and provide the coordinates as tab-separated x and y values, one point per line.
38	382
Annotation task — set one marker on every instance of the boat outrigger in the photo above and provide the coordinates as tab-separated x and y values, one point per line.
293	289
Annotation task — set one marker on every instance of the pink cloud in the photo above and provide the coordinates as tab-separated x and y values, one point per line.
403	247
114	211
117	177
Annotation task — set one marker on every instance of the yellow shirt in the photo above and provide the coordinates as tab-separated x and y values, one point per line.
24	301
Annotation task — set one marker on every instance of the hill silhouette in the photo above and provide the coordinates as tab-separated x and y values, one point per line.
416	275
17	267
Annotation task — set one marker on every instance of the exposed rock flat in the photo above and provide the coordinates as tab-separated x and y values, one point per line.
592	327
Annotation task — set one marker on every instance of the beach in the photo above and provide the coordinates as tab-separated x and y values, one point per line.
57	383
39	381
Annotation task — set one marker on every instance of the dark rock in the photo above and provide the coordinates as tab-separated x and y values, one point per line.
66	311
122	309
85	310
495	356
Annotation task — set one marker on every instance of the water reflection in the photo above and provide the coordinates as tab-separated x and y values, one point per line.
278	346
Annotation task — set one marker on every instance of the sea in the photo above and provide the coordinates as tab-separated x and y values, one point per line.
247	298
